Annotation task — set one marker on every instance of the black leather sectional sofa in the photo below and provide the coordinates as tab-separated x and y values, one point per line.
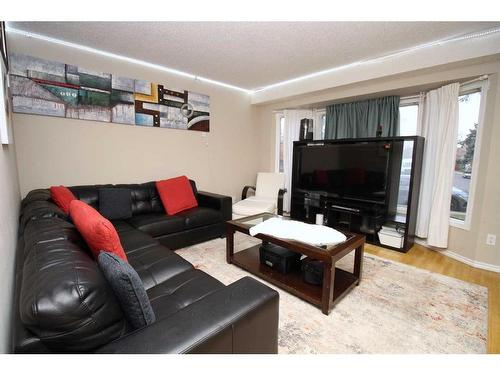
64	304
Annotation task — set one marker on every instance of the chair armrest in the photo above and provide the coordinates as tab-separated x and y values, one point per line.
222	203
281	193
244	192
240	318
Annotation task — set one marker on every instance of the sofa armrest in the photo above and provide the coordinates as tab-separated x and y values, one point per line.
240	318
219	202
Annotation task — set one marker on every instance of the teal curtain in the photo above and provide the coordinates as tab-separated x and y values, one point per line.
361	119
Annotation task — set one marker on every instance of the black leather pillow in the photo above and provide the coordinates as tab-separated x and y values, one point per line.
128	289
115	203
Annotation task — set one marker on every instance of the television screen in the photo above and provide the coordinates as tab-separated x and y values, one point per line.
345	170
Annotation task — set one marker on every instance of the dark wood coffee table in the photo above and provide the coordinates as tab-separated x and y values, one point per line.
336	282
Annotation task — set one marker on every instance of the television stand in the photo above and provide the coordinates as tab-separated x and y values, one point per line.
366	220
344	208
324	183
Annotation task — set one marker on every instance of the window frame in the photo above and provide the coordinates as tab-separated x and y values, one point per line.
481	86
278	117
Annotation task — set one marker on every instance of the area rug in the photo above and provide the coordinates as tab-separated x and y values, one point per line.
396	309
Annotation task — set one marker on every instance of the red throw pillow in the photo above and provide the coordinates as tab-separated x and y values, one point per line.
96	230
176	194
62	196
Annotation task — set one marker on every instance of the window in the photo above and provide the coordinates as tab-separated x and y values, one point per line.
466	159
408	125
323	125
280	139
408	116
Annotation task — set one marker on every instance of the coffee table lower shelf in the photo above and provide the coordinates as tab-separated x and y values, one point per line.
248	260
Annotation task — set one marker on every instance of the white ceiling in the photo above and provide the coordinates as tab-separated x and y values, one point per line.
251	54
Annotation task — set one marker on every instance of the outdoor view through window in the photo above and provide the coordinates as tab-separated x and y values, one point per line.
466	141
469	106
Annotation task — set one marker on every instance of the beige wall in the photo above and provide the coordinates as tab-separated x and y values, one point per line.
241	141
486	214
9	209
54	150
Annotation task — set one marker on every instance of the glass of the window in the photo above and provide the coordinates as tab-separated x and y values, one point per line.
282	144
408	119
468	120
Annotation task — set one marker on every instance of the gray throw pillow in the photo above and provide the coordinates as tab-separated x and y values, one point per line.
128	288
115	203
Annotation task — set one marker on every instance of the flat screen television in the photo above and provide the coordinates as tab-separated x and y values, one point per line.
354	171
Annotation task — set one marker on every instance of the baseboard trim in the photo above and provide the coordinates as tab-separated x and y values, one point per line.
470	262
461	258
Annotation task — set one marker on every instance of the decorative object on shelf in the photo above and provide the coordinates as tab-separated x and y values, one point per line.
5	101
319	219
43	87
306	129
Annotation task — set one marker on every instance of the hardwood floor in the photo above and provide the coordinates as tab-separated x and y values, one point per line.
421	257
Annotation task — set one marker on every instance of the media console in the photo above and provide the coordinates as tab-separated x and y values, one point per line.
359	185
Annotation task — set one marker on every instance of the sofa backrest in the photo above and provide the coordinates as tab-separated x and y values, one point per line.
145	197
268	185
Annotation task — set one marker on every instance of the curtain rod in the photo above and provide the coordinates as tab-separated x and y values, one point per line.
480	78
477	79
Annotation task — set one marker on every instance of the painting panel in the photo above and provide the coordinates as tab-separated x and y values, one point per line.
51	88
5	106
142	119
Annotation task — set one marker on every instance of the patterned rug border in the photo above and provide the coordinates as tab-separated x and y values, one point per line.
424	270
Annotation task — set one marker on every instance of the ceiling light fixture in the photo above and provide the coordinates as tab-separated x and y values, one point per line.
474	35
124	58
381	58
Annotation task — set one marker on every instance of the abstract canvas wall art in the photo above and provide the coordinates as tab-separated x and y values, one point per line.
5	107
49	88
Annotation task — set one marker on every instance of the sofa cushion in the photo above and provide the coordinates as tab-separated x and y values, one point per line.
156	263
253	206
96	230
50	229
36	195
38	209
115	203
180	291
128	289
121	226
145	198
268	185
176	194
62	196
135	240
157	224
89	193
199	216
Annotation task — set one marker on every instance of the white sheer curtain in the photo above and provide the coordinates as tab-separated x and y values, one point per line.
439	126
291	134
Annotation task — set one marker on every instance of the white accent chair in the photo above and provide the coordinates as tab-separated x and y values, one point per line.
268	197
